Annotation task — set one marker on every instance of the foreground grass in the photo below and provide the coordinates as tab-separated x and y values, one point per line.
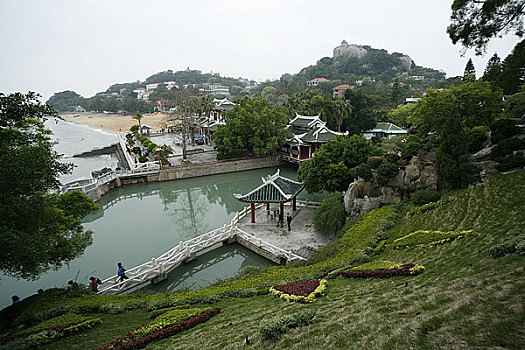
464	299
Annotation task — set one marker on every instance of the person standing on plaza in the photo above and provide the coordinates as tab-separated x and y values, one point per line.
288	220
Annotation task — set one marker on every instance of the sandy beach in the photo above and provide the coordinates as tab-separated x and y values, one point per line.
115	122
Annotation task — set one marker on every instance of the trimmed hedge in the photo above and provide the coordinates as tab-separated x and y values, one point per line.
404	270
424	238
271	329
385	172
513	246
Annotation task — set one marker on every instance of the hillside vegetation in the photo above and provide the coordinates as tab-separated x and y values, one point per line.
464	299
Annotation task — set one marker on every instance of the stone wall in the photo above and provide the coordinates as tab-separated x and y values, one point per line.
190	171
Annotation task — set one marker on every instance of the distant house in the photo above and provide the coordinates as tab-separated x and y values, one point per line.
384	130
309	133
208	124
339	90
316	81
142	94
79	109
144	129
412	99
170	85
151	87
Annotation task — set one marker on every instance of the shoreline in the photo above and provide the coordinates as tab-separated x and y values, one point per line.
114	122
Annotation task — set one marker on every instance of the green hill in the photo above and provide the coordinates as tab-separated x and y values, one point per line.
464	299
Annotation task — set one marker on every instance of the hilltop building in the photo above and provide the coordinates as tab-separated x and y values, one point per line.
314	82
339	90
384	130
309	134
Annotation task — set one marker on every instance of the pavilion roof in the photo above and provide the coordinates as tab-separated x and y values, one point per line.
274	189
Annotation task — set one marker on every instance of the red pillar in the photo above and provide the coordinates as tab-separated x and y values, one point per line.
252	205
294	206
268	206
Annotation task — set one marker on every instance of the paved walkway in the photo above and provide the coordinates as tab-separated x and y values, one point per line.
302	239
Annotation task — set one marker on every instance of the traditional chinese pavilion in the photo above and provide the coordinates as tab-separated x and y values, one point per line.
274	189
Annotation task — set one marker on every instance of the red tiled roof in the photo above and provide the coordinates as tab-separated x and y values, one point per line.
344	86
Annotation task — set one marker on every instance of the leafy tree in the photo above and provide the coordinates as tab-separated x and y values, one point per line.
475	22
403	114
385	172
470	71
515	104
361	116
450	114
343	110
330	217
253	125
331	167
138	117
493	69
66	101
513	70
39	230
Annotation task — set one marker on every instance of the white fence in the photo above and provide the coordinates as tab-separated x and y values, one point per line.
161	265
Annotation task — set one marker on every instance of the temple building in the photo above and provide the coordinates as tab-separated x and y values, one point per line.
309	134
384	130
208	124
274	189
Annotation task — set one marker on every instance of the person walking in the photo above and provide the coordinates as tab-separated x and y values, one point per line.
121	272
288	220
281	219
95	282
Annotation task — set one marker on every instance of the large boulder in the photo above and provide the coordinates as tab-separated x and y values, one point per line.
363	196
346	50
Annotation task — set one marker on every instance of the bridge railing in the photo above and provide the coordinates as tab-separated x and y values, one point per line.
276	251
124	149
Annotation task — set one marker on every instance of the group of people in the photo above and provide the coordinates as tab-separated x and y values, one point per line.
281	220
94	282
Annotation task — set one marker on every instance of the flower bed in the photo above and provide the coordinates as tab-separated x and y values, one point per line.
404	270
426	238
167	324
303	292
49	331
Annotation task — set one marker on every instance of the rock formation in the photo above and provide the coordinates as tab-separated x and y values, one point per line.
346	50
420	173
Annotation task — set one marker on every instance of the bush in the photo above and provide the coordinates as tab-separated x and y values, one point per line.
233	155
386	171
411	149
136	149
152	146
513	246
330	217
503	129
512	161
374	162
508	146
270	329
363	171
425	196
143	159
134	128
146	142
392	158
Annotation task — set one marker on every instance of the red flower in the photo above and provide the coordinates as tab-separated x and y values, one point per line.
300	288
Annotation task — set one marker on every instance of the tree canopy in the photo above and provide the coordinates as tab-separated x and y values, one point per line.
39	230
331	167
475	22
253	125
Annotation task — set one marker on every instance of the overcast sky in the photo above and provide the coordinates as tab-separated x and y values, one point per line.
85	46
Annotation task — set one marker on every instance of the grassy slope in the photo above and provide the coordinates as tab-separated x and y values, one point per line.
465	299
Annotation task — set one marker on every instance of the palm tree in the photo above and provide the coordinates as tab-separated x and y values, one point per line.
343	110
138	116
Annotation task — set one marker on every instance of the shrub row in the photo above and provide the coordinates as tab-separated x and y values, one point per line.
302	292
49	331
430	206
270	329
131	342
513	246
425	238
404	270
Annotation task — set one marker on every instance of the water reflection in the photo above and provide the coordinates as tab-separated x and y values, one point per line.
219	263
